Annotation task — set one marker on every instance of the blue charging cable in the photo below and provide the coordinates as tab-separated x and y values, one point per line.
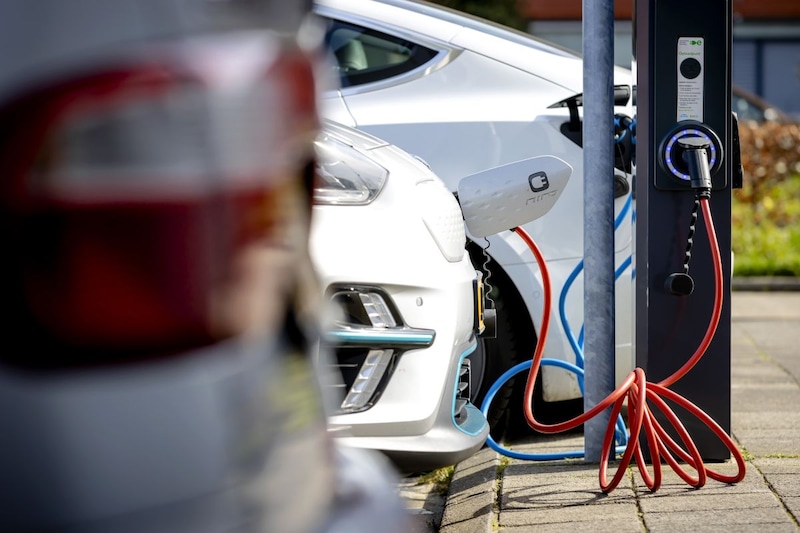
620	432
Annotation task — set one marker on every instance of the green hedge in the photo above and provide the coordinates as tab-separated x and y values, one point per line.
766	211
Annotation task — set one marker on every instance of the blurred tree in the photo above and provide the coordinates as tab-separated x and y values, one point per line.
501	11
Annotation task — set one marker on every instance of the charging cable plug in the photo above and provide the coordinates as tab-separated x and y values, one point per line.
679	284
695	155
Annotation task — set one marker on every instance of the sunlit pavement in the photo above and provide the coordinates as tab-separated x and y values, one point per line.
490	492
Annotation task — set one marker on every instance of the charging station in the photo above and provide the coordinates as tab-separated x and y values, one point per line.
686	141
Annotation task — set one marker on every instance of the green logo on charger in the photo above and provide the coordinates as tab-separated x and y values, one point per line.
696	42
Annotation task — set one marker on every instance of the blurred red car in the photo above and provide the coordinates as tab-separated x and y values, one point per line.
154	204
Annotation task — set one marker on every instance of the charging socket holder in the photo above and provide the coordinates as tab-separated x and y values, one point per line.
675	173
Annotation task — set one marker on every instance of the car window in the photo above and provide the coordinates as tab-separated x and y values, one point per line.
364	55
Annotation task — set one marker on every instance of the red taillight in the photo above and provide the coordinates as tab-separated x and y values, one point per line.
131	197
127	276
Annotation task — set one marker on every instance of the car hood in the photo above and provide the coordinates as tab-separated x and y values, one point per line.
358	139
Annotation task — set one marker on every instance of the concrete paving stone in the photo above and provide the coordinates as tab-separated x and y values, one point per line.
470	502
608	526
783	477
768	335
792	504
736	332
544	443
787	485
713	491
790	362
479	469
785	352
774	362
770	327
671	483
756	517
783	398
758	373
770	320
745	390
549	444
562	468
785	360
743	340
421	523
744	421
760	305
778	465
793	367
521	473
413	493
460	517
562	495
624	515
746	353
753	372
743	373
766	430
669	526
764	442
704	500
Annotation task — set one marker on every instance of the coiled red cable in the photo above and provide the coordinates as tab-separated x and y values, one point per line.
642	397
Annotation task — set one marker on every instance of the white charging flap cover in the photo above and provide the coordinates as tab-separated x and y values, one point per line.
511	195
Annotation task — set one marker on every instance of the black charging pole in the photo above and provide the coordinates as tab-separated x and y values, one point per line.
682	65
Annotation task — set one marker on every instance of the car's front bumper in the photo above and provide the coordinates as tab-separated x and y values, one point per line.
429	440
419	416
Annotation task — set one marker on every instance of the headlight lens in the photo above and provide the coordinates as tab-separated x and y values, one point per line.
345	175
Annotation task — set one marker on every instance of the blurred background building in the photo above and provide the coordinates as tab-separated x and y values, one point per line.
766	41
766	38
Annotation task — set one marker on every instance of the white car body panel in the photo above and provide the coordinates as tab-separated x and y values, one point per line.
481	103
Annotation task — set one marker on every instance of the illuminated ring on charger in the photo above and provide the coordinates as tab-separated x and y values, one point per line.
680	135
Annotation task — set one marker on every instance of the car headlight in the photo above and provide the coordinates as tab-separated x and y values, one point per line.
345	175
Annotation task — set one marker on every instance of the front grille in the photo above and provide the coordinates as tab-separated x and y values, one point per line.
363	381
367	342
462	392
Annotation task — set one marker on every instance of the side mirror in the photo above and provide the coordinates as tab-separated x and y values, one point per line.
511	195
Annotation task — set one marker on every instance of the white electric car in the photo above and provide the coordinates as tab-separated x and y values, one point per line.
467	95
388	244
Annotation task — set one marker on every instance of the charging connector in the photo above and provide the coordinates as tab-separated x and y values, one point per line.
696	157
680	154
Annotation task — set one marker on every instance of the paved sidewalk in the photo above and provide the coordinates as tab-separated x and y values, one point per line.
490	492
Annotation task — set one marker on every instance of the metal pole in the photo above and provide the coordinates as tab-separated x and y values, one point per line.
598	213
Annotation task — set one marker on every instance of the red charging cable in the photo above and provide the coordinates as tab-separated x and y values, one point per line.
642	396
